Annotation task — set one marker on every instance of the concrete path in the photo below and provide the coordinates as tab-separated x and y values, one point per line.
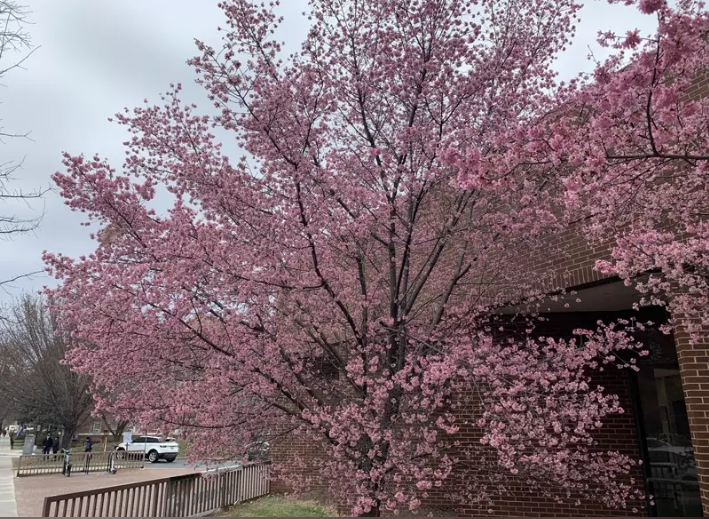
8	507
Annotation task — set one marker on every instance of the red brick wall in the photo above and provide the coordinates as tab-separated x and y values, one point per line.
562	260
701	86
618	433
295	455
694	369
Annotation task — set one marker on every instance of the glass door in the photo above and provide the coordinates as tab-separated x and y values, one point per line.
669	458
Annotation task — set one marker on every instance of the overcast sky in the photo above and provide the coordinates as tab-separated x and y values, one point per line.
98	56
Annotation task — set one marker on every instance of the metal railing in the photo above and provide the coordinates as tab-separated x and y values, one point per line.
178	496
41	464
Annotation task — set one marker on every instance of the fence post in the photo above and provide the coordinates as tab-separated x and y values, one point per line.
19	466
268	478
239	482
224	479
169	499
155	496
47	507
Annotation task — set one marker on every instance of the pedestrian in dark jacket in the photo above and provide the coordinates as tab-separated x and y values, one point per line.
55	446
87	449
47	445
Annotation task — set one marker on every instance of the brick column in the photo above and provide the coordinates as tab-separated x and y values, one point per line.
694	369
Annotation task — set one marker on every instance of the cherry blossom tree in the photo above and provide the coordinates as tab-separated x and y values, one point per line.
337	281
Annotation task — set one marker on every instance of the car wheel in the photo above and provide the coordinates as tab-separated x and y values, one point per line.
120	454
153	456
169	460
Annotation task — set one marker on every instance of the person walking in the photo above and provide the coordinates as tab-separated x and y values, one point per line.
47	445
87	449
55	446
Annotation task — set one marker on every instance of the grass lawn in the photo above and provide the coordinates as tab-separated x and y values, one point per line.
278	506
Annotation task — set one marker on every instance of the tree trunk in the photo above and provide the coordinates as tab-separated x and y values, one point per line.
117	433
120	429
69	432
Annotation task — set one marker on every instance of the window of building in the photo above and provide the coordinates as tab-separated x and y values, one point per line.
96	427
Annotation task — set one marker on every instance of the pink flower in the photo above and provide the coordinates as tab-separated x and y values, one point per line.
650	6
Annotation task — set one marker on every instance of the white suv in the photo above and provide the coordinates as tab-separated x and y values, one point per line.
154	447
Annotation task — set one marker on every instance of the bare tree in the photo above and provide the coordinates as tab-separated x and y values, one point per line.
37	384
15	49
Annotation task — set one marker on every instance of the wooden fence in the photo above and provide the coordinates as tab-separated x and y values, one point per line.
178	496
41	464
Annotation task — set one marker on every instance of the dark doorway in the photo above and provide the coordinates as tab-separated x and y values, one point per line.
655	390
669	458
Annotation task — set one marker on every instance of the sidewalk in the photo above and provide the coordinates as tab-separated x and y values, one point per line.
8	508
32	490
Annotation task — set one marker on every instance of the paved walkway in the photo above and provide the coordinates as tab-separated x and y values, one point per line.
30	491
8	508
